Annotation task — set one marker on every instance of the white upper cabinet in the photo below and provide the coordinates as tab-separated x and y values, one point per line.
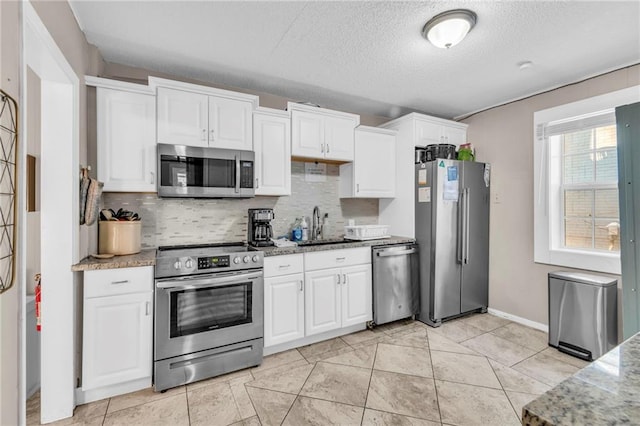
230	123
272	147
431	130
373	171
126	137
182	117
195	115
321	133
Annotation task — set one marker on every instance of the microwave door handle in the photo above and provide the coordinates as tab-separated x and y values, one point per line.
189	283
237	174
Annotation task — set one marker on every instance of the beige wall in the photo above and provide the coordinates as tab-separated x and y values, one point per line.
84	59
503	136
139	75
10	300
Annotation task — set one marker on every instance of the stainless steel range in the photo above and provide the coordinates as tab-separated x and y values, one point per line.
208	316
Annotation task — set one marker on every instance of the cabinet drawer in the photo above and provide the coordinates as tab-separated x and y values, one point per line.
283	265
337	258
109	282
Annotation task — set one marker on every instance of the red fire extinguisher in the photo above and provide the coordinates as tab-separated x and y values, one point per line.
38	300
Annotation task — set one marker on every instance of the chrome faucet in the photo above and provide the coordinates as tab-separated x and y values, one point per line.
316	228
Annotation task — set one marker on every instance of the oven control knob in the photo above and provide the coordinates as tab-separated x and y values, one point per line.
188	264
177	265
245	259
236	260
255	258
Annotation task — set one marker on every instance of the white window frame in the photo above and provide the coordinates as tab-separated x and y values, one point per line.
548	248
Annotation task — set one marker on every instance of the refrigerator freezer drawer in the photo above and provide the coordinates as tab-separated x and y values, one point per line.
395	282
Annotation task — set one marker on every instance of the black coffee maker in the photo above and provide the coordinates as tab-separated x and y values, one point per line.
259	231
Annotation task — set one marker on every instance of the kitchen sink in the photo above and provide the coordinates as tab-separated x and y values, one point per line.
322	242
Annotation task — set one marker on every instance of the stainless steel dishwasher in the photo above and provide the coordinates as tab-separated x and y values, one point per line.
396	283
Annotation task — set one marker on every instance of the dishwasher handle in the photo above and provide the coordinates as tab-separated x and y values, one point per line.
388	253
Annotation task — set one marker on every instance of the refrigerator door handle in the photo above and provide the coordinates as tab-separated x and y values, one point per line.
466	225
459	230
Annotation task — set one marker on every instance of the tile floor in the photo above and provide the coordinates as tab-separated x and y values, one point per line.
475	370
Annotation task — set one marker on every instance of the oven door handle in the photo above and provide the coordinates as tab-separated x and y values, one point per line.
191	283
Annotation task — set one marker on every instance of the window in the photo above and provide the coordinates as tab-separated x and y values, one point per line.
589	189
576	217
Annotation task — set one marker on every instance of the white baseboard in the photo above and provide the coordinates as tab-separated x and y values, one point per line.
519	320
86	396
313	339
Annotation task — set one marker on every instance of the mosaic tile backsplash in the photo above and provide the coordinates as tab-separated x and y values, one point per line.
196	221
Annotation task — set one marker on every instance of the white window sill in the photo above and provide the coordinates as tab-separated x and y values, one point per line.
599	262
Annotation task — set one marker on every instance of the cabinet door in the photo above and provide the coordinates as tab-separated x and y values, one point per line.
126	141
117	339
283	309
272	146
356	295
230	123
454	135
307	134
322	301
182	117
428	133
339	138
374	166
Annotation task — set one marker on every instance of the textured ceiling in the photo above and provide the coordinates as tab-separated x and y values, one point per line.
369	57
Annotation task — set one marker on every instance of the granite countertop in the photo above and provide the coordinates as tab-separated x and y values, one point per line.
605	392
146	257
331	245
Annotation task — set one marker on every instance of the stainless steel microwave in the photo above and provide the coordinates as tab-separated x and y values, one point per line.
196	172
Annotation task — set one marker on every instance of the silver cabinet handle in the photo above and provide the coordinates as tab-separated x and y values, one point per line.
328	148
204	134
466	226
338	278
301	285
146	309
237	189
283	266
119	282
396	252
340	259
344	278
153	178
357	187
212	137
257	183
322	148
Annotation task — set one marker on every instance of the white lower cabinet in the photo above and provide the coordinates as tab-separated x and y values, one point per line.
283	299
322	300
357	303
117	337
314	293
284	309
338	291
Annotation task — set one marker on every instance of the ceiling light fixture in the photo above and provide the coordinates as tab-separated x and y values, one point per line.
449	28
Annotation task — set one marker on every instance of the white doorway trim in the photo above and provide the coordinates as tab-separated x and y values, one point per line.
59	216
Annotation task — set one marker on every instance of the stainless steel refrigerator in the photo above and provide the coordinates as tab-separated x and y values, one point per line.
452	230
